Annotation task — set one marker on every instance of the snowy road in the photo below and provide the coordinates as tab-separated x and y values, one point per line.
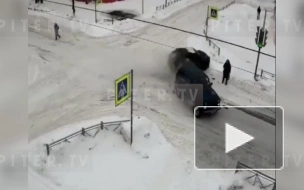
70	79
210	140
192	18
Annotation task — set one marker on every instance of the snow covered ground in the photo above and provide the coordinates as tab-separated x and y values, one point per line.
71	81
85	18
237	24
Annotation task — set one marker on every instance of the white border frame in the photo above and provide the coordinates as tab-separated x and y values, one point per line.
233	169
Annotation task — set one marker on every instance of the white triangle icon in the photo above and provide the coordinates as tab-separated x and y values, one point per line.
235	138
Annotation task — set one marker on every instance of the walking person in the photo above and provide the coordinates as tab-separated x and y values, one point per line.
56	28
259	13
226	72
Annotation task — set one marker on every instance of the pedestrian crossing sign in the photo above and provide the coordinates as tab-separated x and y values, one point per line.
122	89
214	13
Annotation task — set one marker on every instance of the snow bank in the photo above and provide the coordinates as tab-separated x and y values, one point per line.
108	162
149	136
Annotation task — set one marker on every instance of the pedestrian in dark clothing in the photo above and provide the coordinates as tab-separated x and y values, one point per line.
56	28
226	71
259	12
73	7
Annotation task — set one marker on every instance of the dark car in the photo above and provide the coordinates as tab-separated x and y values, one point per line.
122	15
194	88
181	55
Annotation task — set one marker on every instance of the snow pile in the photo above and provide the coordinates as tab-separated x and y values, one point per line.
108	162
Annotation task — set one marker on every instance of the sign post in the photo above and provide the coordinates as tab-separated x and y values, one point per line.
213	13
131	111
260	40
95	11
207	22
123	91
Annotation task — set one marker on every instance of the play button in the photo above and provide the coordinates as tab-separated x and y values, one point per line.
235	138
249	135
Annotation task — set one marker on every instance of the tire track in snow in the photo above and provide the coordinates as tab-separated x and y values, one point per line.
35	75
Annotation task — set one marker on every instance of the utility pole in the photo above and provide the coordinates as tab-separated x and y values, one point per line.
207	22
261	38
95	11
142	6
131	119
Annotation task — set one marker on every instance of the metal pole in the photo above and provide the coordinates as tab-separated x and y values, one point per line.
207	22
257	63
142	7
264	19
166	3
47	149
95	11
131	119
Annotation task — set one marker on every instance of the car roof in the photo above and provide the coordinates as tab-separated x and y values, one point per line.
197	75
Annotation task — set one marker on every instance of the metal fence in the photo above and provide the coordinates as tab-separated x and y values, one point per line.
84	132
257	176
212	44
268	75
167	4
228	5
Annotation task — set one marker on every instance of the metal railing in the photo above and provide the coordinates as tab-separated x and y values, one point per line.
257	176
167	4
268	75
212	44
83	132
228	5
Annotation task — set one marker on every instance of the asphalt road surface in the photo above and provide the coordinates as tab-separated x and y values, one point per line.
210	141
